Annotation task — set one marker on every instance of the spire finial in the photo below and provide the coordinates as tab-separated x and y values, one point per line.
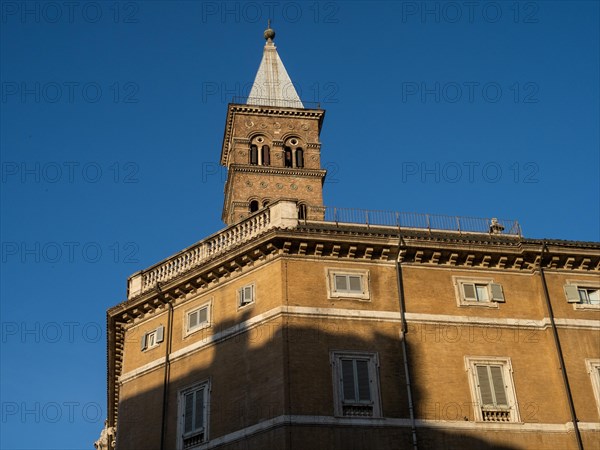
269	32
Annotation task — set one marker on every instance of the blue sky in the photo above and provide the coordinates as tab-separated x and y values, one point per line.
112	118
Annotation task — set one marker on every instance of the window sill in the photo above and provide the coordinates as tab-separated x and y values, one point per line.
479	304
195	330
345	296
246	306
151	348
585	307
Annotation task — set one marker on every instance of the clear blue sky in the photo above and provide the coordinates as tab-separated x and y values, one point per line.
112	121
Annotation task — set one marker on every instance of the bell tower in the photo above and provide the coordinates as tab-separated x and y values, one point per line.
271	146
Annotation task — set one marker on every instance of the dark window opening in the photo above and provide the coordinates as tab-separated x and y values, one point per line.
265	203
253	206
302	212
266	155
299	157
253	154
287	157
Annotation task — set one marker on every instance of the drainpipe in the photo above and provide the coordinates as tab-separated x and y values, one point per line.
403	332
559	352
163	428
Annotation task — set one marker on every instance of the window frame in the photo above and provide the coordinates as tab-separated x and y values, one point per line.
240	294
372	358
334	293
158	334
588	285
471	364
181	434
593	369
494	298
253	153
200	326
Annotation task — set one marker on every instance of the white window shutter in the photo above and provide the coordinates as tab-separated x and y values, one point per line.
144	341
199	410
485	389
572	293
340	283
348	380
188	412
499	388
363	380
497	294
469	291
160	333
203	315
355	283
192	320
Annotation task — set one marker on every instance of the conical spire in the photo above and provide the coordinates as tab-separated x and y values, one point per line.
272	84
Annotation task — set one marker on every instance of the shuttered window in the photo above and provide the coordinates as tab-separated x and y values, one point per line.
355	380
246	295
152	338
491	386
593	368
194	410
482	292
493	390
197	318
193	415
348	283
356	387
583	295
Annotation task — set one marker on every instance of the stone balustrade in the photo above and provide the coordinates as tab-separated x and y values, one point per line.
282	214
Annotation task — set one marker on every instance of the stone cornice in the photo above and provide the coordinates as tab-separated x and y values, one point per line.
270	170
369	243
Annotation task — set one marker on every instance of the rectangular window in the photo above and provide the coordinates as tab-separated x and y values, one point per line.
482	292
246	295
348	284
152	338
193	416
583	295
356	385
493	389
589	296
593	368
197	319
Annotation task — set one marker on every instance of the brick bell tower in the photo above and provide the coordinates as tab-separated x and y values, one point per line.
271	146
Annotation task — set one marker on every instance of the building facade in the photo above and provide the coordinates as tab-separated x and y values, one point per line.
301	326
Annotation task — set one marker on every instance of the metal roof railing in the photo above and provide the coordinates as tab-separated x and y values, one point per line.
418	221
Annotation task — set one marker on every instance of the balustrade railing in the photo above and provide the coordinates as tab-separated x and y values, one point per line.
206	249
